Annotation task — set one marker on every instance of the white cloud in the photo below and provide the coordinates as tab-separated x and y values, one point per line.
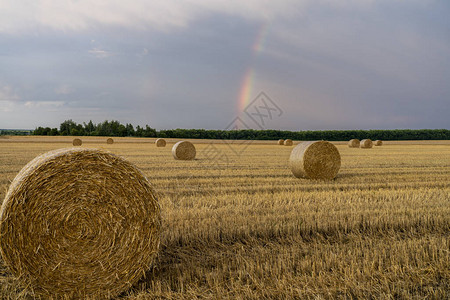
44	104
100	53
66	15
77	15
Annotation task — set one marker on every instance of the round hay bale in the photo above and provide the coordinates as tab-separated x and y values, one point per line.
315	160
160	142
280	142
183	150
353	143
77	142
288	142
378	143
110	141
79	223
367	143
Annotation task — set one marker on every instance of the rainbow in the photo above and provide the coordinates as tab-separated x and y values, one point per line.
245	93
246	89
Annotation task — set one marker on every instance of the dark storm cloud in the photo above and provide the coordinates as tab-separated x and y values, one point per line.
328	64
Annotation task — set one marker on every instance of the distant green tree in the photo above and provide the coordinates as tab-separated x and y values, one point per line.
129	130
39	131
149	132
74	131
66	127
54	131
121	130
89	128
115	128
139	131
104	129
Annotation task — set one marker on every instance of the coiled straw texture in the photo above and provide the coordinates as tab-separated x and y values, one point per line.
77	142
315	160
184	150
160	142
288	142
367	143
353	143
79	223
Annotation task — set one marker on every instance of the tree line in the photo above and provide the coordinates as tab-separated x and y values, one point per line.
105	128
115	128
15	132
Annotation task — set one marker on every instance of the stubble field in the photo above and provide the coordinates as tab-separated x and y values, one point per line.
238	225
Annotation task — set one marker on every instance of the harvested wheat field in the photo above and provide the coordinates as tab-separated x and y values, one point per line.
236	224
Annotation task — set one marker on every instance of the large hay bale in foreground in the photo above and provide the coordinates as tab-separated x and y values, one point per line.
280	142
288	142
110	141
353	143
367	143
315	160
79	223
378	143
77	142
160	142
184	150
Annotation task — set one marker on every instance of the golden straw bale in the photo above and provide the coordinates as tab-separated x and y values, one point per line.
367	143
183	150
288	142
110	141
378	143
160	142
353	143
315	160
77	142
280	142
79	224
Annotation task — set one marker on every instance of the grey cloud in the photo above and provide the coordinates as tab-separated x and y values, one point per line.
328	64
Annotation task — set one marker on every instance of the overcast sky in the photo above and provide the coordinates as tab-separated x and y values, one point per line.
326	64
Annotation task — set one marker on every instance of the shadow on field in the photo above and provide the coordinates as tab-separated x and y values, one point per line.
186	260
182	262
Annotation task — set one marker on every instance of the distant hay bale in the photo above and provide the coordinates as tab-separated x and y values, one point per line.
353	143
288	142
367	143
160	142
77	142
79	224
280	142
315	160
110	141
378	143
183	150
